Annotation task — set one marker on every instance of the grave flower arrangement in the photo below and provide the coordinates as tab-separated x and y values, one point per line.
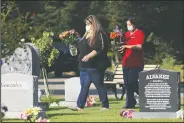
126	113
91	101
70	38
32	115
4	109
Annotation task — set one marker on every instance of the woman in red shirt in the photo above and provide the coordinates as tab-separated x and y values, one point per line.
132	60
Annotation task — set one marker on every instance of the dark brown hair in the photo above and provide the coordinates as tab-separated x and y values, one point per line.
132	21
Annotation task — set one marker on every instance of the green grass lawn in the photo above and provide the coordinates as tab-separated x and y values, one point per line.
63	114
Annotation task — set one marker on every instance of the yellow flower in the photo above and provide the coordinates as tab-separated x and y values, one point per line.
35	110
28	111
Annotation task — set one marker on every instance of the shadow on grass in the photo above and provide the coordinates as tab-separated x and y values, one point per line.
64	114
96	105
114	99
64	76
114	102
56	108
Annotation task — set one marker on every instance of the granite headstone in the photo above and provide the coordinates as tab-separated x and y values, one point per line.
24	60
19	85
18	92
72	90
158	93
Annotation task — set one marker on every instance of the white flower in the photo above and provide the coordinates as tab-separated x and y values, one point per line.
180	114
22	40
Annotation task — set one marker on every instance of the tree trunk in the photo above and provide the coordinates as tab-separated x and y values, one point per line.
45	82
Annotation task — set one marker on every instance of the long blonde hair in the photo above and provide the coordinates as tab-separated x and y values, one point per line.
96	29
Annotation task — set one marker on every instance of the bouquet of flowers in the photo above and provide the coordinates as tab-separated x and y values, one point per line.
32	115
126	113
91	101
70	38
116	36
4	109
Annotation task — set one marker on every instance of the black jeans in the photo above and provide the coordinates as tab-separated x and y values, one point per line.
131	76
88	75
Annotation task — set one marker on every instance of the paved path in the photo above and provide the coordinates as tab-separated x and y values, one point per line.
57	87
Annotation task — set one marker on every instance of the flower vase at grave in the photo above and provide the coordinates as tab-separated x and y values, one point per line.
73	50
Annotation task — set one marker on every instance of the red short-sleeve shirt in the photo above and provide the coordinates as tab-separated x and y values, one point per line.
133	58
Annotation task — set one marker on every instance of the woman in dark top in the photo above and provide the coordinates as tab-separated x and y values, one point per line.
93	62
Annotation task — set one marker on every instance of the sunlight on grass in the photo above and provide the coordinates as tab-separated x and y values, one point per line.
94	114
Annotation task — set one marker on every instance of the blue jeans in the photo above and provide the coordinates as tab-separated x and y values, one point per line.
88	75
131	76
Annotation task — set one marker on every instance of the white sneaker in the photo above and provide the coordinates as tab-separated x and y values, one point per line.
104	109
136	96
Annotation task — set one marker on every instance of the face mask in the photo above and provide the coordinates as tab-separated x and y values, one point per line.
88	28
130	28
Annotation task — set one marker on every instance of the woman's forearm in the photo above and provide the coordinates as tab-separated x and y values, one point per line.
136	47
92	54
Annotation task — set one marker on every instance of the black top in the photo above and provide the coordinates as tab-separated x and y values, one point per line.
101	47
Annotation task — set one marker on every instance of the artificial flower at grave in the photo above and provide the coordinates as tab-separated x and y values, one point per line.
91	101
32	115
126	113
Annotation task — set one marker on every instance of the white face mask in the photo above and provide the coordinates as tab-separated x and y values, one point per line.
130	28
88	27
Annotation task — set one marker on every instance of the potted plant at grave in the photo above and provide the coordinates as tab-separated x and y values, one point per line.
46	101
47	54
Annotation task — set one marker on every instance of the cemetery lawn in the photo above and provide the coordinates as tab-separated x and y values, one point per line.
94	114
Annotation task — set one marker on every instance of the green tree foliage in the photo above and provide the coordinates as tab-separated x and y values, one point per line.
46	51
163	18
47	54
116	13
55	16
13	27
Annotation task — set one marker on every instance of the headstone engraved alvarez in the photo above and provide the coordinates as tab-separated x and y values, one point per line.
158	94
159	91
19	84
